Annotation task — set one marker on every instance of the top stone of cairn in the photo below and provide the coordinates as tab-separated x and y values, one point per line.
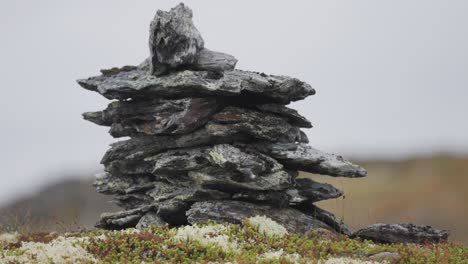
175	43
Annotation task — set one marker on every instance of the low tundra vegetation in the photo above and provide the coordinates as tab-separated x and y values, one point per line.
257	240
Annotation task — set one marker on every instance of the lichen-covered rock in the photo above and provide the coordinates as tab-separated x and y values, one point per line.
123	184
230	181
149	219
174	40
137	82
402	233
249	164
236	211
302	191
305	158
233	124
222	167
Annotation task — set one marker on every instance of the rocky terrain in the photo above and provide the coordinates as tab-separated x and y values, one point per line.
208	142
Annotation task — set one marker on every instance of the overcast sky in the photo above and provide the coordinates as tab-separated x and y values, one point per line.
391	76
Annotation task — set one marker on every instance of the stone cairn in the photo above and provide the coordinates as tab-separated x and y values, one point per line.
207	141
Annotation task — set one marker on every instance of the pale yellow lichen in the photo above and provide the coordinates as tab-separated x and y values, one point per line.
216	157
275	255
267	226
213	234
62	250
9	238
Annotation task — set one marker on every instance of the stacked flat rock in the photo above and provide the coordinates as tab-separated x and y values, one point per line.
207	141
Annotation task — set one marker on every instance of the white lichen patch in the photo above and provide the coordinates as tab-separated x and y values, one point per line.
275	255
349	261
9	238
128	231
62	250
267	226
206	235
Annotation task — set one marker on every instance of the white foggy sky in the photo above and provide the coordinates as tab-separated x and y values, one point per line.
391	76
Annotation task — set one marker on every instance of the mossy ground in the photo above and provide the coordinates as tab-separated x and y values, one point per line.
231	243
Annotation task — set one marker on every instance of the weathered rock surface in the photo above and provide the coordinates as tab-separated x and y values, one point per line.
305	158
222	167
122	219
236	211
149	219
123	184
209	60
137	82
302	190
156	117
258	125
174	40
293	116
402	233
230	125
313	191
181	116
324	216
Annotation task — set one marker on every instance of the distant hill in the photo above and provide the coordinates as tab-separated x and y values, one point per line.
70	203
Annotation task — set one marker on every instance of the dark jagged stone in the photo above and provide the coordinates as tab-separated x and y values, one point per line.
174	40
167	201
222	167
235	211
402	233
175	43
313	191
122	219
149	219
305	158
293	116
132	200
249	164
324	216
209	60
229	181
156	117
189	193
273	198
258	125
137	82
230	125
304	190
181	116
